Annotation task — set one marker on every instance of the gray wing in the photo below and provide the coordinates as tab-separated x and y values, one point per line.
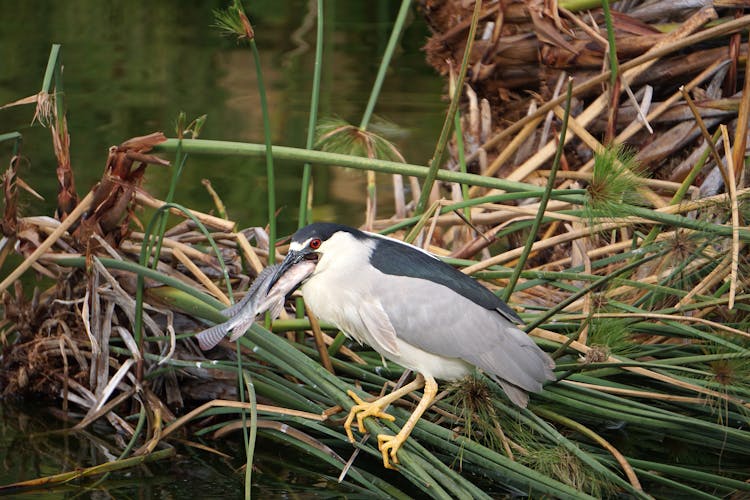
397	258
433	318
380	331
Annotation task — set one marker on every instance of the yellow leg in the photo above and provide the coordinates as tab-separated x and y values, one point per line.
389	445
363	409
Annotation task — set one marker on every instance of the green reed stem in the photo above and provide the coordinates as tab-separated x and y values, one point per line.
180	159
269	154
143	260
53	75
462	161
17	139
437	157
304	217
249	452
202	146
390	48
305	192
228	148
613	65
543	201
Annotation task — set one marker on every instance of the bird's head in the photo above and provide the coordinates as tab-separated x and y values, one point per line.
314	243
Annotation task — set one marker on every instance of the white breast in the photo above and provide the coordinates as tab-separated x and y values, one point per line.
339	292
338	285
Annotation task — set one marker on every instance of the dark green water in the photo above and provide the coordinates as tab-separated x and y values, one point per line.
32	446
129	69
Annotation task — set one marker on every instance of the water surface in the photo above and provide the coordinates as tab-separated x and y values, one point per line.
129	69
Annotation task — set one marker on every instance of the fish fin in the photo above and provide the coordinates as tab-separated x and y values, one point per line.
274	304
276	308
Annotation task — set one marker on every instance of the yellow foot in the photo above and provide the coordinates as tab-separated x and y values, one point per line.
389	446
362	410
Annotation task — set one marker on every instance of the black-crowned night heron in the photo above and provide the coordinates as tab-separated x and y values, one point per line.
414	310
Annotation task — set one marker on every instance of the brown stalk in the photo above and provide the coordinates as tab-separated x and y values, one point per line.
508	151
168	244
639	394
201	276
283	428
612	108
732	189
539	245
249	252
740	134
319	342
506	212
706	135
51	239
676	41
145	199
223	403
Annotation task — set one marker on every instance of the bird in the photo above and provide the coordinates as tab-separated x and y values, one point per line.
417	311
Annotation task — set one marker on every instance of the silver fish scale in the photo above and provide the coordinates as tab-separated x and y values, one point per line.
257	300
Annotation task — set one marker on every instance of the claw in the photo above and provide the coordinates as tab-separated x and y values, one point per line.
389	446
362	410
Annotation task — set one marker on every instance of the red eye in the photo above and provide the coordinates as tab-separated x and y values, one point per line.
315	243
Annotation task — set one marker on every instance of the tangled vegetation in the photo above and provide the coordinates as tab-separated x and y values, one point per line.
629	266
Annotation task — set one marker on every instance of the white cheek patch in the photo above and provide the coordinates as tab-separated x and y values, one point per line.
296	246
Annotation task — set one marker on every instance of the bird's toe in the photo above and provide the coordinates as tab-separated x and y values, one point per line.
362	410
356	398
389	446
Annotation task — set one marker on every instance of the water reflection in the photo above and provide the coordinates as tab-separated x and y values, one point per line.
130	68
33	444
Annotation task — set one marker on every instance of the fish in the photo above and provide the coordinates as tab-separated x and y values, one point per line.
267	293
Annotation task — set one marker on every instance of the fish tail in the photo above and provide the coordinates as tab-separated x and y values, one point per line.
208	338
243	326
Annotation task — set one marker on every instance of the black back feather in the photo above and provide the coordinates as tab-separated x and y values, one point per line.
391	257
400	259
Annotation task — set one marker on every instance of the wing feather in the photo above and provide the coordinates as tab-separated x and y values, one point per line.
448	324
380	331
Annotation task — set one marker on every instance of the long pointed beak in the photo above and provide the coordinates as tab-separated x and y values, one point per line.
292	258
